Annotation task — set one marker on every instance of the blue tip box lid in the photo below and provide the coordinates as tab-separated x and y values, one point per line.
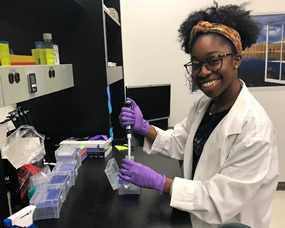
65	166
58	179
53	193
7	222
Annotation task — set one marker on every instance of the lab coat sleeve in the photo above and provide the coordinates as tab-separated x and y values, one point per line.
222	197
171	142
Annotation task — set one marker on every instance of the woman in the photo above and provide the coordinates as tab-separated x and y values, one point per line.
227	141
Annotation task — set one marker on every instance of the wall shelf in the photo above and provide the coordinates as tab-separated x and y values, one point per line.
15	81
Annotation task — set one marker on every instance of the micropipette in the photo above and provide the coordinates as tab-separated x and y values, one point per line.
128	103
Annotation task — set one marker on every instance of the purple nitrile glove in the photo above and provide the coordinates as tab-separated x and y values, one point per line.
134	117
98	137
141	175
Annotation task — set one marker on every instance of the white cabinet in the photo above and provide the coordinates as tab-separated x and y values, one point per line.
21	83
58	77
13	86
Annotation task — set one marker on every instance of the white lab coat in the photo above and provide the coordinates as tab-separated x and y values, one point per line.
237	171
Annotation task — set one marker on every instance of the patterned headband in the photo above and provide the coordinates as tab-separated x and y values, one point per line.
228	32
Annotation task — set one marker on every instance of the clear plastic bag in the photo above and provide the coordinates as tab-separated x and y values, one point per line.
39	180
24	146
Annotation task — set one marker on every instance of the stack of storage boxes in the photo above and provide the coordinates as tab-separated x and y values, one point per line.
99	148
48	202
53	189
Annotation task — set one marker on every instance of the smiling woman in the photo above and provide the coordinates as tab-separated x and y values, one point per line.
227	142
220	82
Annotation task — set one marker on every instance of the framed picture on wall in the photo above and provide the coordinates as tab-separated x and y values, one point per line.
263	64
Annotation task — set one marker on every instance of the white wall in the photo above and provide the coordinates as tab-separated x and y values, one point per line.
152	54
151	50
272	100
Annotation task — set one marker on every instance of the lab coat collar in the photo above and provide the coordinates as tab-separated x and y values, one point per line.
232	123
234	120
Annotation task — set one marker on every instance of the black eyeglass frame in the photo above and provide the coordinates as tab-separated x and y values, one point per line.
206	63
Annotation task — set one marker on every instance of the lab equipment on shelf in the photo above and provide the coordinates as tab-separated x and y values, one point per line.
46	52
47	38
43	53
39	52
4	53
23	60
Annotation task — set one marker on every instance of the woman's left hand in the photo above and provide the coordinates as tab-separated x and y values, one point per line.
141	175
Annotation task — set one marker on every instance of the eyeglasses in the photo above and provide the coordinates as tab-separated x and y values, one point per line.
213	63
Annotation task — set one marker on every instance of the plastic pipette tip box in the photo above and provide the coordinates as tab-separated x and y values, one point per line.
58	179
53	193
99	152
62	180
66	153
66	166
48	203
69	168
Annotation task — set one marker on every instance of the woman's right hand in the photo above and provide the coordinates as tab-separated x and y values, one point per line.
133	116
